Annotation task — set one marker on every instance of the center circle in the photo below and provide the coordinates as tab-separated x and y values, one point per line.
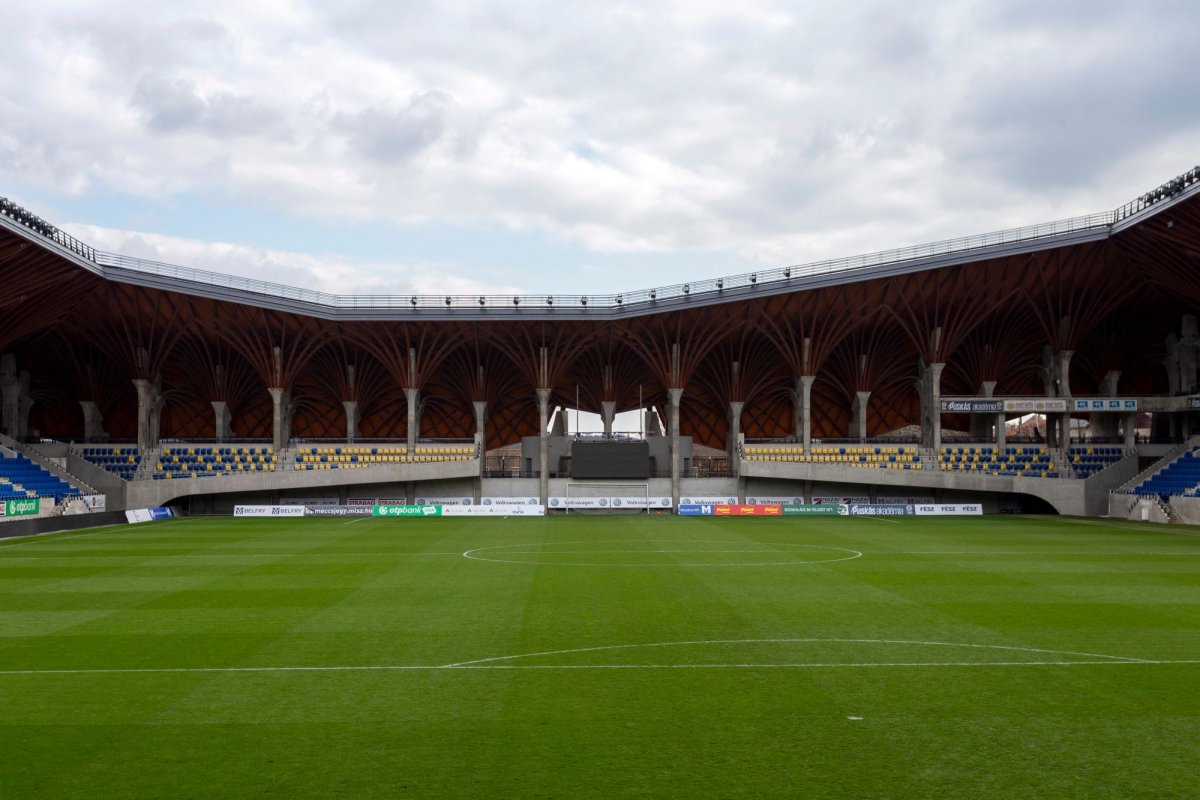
662	553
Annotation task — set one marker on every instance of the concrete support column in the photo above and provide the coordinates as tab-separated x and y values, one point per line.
149	406
803	396
413	401
24	404
981	424
858	416
10	392
608	410
351	409
674	395
1129	428
543	398
93	422
222	419
734	462
281	417
1189	351
481	433
930	389
1106	424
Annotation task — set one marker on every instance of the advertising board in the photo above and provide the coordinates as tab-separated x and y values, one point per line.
746	510
1093	404
21	507
406	510
880	510
972	405
961	509
268	511
814	510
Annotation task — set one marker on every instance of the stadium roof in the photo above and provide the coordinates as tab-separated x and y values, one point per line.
763	283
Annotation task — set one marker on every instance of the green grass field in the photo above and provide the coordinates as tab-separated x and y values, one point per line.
602	657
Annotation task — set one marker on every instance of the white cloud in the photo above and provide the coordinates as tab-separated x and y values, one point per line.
331	274
772	132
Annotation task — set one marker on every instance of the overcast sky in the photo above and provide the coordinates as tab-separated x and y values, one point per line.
383	146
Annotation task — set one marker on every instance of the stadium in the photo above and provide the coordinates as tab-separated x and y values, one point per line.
896	374
262	571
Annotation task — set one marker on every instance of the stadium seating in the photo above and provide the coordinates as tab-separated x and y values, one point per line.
864	456
350	457
1020	461
21	478
1088	460
183	461
1181	476
121	461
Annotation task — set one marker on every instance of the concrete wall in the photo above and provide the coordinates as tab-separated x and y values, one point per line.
1187	509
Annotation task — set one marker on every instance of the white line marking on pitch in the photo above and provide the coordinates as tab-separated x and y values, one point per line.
701	642
217	555
1026	553
509	548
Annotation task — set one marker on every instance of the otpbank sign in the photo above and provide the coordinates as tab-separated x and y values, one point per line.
21	508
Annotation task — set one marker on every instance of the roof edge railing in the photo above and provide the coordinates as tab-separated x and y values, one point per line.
617	301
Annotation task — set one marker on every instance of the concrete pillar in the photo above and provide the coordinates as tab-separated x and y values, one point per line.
1129	428
560	422
858	416
149	406
24	404
351	409
543	399
1189	351
930	390
653	428
734	462
673	397
1106	424
481	434
608	410
981	424
222	420
10	392
803	397
281	418
93	422
413	401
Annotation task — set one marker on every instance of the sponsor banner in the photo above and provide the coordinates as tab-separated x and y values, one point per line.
778	501
880	510
844	501
962	509
308	501
268	511
1105	404
973	405
903	501
1036	405
444	501
815	510
535	510
401	510
1194	403
96	502
695	509
148	514
707	500
337	511
746	510
602	503
509	501
21	507
367	501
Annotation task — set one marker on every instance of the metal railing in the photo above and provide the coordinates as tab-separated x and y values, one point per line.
610	302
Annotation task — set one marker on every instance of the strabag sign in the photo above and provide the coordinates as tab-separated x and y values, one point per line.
268	511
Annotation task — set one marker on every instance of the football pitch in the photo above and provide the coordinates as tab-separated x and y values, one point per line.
602	657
